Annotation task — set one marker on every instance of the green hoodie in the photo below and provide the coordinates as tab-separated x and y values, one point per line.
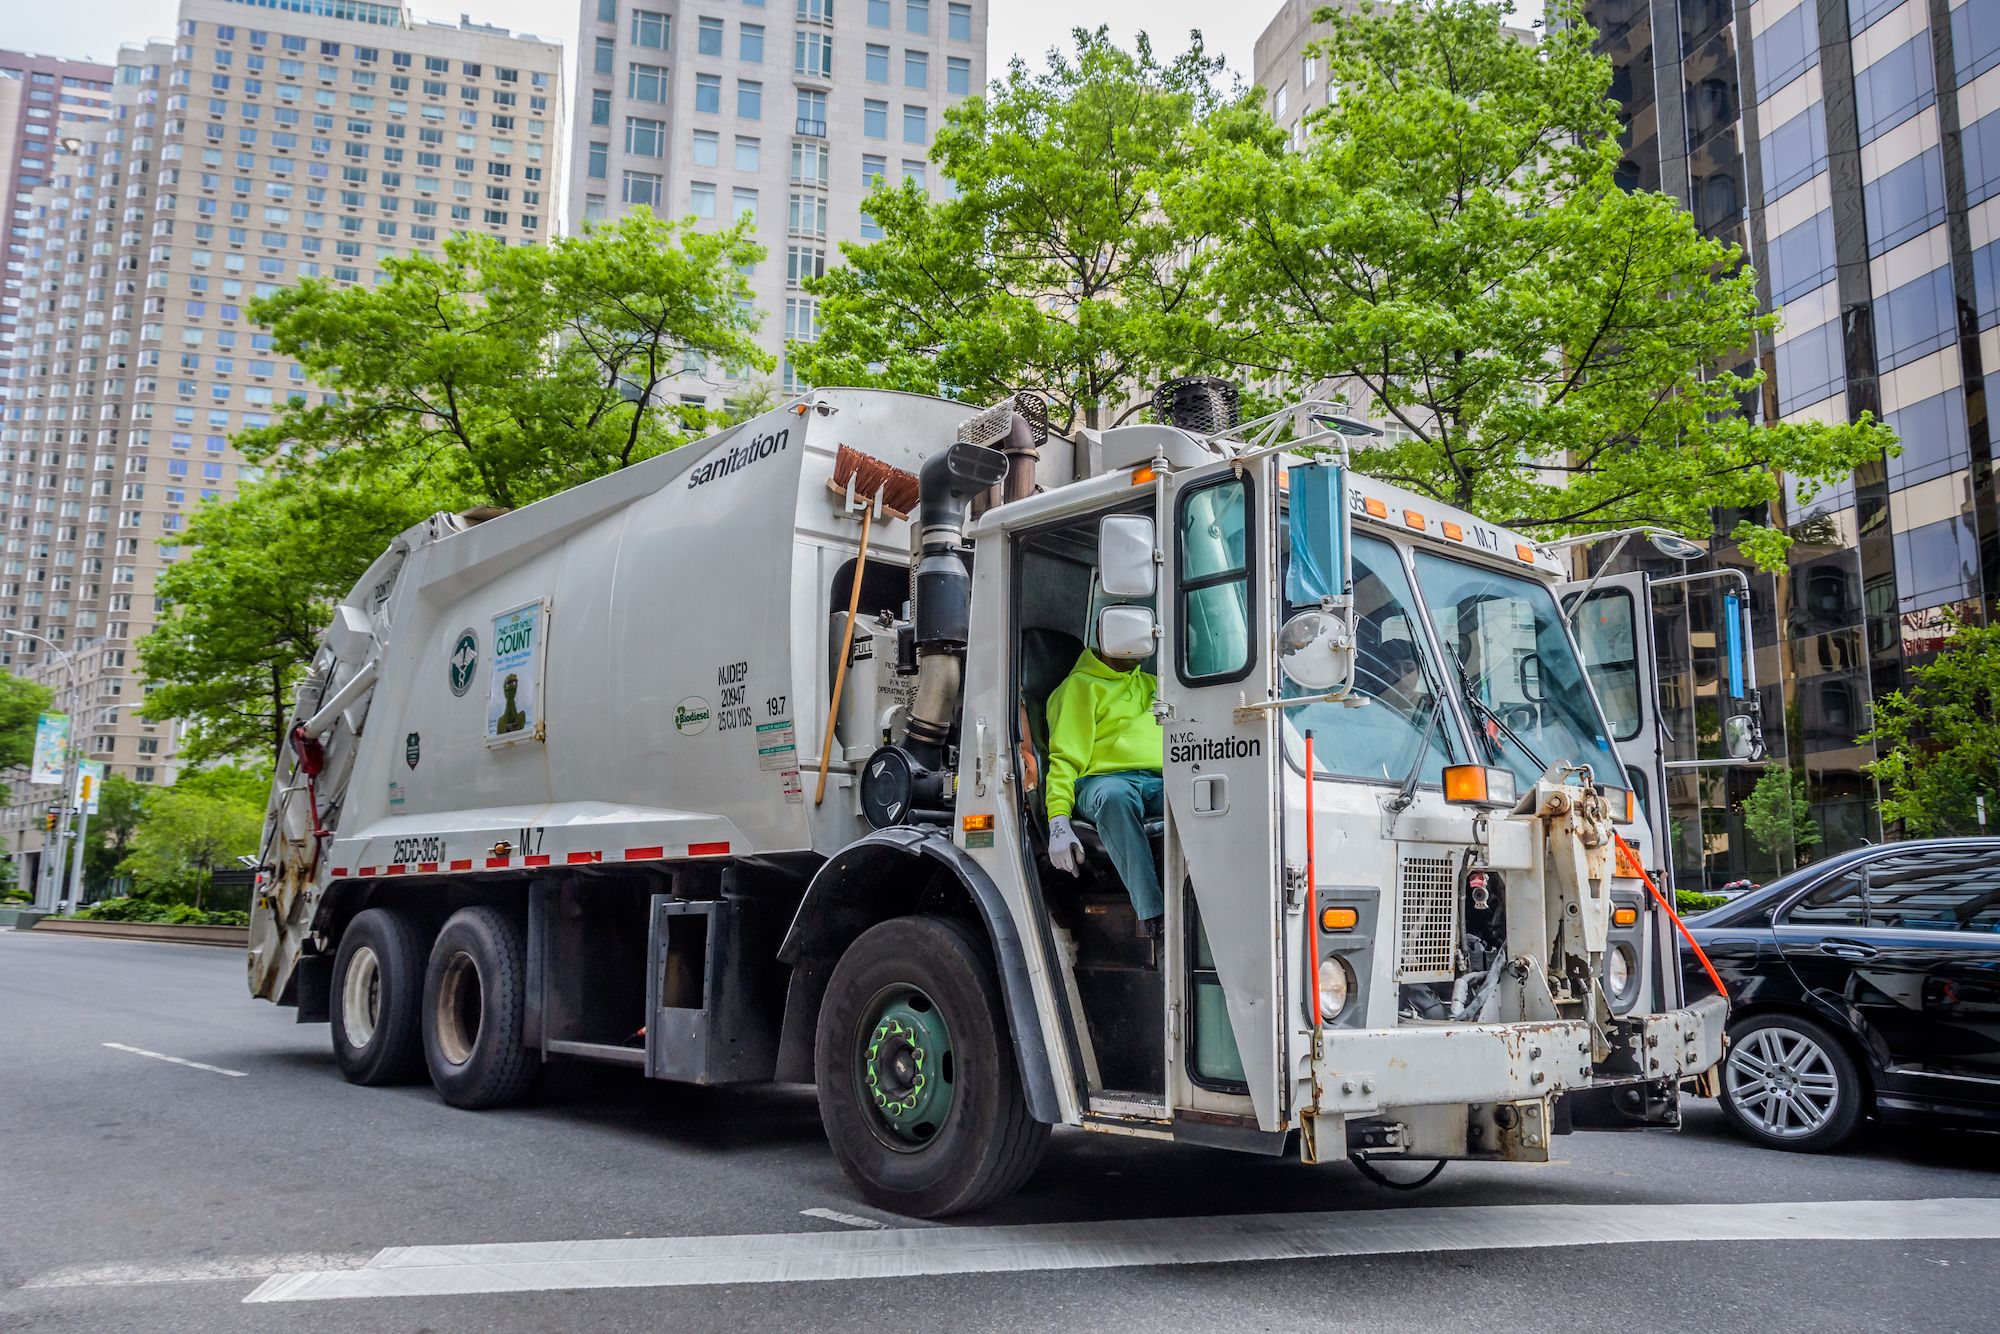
1100	722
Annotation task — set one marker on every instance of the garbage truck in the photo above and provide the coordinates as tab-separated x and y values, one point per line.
728	767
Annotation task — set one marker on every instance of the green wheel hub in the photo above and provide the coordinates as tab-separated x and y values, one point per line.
906	1066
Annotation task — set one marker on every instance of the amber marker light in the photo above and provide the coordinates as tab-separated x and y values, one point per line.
1338	919
1143	475
1524	552
1477	785
1452	530
1413	519
976	824
1624	916
1376	509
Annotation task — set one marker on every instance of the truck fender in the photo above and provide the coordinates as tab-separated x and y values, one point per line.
869	881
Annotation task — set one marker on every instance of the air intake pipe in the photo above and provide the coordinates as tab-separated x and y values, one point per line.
943	588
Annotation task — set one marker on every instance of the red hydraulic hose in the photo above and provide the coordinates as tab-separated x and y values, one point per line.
1661	899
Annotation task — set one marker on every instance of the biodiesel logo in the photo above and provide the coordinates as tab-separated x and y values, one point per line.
691	715
464	661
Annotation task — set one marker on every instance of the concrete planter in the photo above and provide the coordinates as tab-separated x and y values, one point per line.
19	919
229	937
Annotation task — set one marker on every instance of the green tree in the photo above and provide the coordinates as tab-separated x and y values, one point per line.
120	803
21	704
1777	815
507	373
1566	355
1052	267
183	837
1938	739
246	606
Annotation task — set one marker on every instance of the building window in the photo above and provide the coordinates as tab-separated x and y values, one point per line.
645	137
1786	49
593	208
878	13
917	15
913	171
749	99
1279	100
958	76
643	187
743	203
708	92
708	38
600	106
803	263
801	319
749	154
1894	88
649	29
707	149
807	216
916	129
958	21
645	83
1312	70
876	65
607	11
599	153
750	43
812	54
873	169
809	164
875	119
701	198
916	69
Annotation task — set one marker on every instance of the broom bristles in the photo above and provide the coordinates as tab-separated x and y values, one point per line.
871	476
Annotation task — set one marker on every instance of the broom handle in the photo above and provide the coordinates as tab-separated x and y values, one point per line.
846	647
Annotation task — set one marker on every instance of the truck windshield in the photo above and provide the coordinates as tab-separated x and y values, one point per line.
1395	672
1524	688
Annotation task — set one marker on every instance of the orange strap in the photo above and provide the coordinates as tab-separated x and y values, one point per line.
1624	852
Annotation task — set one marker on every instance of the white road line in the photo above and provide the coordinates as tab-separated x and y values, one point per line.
845	1220
191	1271
178	1060
433	1271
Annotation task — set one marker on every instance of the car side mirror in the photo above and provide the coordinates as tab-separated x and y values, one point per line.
1126	632
1742	738
1125	555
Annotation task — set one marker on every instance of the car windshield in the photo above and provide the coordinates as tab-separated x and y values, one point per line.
1504	639
1396	675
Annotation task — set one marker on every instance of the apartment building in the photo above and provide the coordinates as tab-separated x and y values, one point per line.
43	102
269	141
781	111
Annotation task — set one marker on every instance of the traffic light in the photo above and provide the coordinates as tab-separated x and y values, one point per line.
53	816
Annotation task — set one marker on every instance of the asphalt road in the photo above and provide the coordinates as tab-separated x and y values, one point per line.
138	1193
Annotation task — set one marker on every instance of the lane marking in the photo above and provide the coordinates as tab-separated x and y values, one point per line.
178	1060
845	1220
191	1271
659	1262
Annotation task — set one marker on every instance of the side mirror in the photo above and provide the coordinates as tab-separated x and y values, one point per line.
1126	632
1125	547
1742	738
1316	652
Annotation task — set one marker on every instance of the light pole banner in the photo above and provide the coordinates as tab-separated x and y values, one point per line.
51	748
89	782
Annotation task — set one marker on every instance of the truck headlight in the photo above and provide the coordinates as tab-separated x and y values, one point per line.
1621	976
1336	984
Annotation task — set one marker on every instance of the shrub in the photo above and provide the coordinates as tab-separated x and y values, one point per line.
170	914
1687	902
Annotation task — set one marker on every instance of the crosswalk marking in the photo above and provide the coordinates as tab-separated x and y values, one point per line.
430	1271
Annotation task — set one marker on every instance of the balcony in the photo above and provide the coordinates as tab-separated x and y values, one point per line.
812	129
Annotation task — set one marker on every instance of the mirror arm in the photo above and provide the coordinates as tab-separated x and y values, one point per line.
1583	597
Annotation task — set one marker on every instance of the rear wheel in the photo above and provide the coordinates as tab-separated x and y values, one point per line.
474	1010
1789	1083
378	985
918	1086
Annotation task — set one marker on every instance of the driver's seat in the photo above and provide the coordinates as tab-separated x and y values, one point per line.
1047	656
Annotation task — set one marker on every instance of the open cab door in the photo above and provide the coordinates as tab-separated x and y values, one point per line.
1226	910
1612	620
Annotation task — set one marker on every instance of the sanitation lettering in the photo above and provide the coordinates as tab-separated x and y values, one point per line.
1187	748
740	456
732	709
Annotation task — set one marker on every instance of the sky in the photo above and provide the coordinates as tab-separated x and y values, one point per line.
94	29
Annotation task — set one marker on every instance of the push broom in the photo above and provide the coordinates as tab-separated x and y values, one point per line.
876	487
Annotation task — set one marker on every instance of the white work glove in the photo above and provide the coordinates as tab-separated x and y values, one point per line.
1065	848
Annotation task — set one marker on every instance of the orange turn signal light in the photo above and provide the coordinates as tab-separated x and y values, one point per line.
1477	785
1375	508
1413	519
1338	919
976	824
1524	552
1624	916
1452	530
1145	475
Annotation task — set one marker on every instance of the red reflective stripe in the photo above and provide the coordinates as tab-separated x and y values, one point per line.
427	867
644	854
708	849
582	858
535	861
339	872
366	870
495	862
461	864
394	870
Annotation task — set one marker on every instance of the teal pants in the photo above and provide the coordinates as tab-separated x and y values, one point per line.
1119	805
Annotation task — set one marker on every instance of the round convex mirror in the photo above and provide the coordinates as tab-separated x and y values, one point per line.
1315	651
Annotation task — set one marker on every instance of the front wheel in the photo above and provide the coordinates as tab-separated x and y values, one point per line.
1788	1083
918	1086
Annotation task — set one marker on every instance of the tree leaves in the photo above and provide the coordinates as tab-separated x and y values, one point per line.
1938	740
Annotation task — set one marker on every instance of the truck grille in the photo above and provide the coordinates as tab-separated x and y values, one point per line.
1428	899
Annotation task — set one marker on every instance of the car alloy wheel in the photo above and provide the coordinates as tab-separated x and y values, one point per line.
1782	1081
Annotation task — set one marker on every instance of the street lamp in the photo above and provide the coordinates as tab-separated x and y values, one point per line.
66	801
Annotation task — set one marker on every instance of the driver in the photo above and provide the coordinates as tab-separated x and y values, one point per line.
1105	752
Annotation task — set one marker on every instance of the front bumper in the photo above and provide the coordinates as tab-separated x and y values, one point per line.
1371	1071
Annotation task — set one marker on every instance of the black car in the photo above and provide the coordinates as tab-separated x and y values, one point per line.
1865	983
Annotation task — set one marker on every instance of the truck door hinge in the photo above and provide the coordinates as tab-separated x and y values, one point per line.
1295	887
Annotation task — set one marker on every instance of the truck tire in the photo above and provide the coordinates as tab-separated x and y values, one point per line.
475	994
918	1086
378	990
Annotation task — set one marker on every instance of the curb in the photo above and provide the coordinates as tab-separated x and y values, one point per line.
227	937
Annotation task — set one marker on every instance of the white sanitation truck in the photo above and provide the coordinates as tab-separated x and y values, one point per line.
551	794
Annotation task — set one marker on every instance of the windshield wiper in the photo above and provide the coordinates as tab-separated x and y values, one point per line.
1485	711
1408	793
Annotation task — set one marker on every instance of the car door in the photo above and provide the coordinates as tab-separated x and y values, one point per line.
1905	946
